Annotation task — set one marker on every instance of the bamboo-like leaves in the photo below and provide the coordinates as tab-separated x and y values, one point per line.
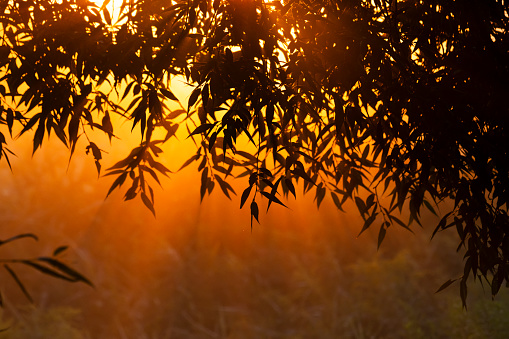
47	265
19	283
343	111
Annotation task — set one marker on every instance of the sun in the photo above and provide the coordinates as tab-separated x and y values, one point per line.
110	10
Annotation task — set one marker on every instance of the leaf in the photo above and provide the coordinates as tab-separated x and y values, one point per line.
107	126
30	124
127	89
496	282
204	182
429	207
151	172
148	203
441	224
132	191
463	291
96	152
254	212
189	161
291	187
193	98
59	250
360	205
175	113
370	201
245	195
301	173
202	128
272	198
446	284
336	201
73	274
225	187
117	183
19	283
365	153
160	168
167	93
19	236
48	271
320	194
399	222
367	223
265	172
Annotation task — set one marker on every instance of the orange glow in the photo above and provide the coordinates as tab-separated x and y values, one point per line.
198	268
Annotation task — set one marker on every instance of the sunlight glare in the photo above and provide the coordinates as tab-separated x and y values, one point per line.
112	8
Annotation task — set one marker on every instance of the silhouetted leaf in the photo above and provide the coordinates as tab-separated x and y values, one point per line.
148	203
71	273
429	207
254	212
193	98
320	194
189	161
19	236
360	205
301	173
245	195
19	283
204	182
446	284
59	250
367	223
291	187
463	291
336	201
48	271
272	198
167	93
117	183
225	187
202	128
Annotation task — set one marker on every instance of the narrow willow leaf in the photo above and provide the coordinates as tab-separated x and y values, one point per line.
19	236
117	183
189	161
272	198
48	271
291	187
336	201
59	250
429	207
367	223
245	195
19	283
254	210
66	269
446	284
202	128
148	203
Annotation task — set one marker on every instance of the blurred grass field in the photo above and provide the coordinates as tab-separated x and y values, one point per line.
197	270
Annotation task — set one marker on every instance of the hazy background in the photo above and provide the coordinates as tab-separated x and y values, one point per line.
197	270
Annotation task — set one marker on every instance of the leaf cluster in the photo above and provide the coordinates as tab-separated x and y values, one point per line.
392	104
51	266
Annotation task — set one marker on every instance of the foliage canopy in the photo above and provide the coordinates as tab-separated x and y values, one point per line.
357	99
